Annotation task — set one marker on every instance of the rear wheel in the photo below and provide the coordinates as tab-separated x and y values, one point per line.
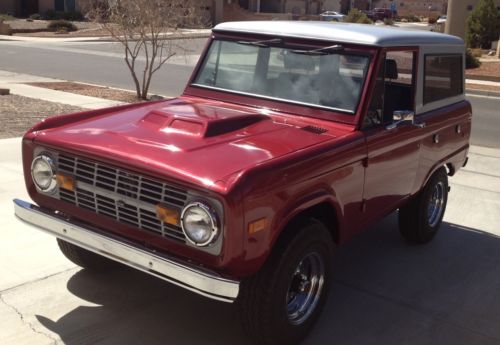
421	218
85	258
280	304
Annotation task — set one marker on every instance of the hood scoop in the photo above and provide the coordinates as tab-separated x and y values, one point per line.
199	120
228	125
315	129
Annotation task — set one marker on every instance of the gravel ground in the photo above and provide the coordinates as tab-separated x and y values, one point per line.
90	90
490	70
18	114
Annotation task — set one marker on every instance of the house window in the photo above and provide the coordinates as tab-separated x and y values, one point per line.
59	5
443	77
70	5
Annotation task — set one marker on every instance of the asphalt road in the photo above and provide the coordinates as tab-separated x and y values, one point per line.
102	63
97	63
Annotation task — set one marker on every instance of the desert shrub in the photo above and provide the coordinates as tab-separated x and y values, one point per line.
413	18
50	15
356	16
61	25
5	17
388	21
471	60
58	15
432	19
483	25
35	16
409	18
72	15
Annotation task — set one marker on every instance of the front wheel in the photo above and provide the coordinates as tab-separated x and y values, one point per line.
280	304
421	218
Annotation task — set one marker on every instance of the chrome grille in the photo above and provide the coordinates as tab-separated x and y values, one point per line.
124	196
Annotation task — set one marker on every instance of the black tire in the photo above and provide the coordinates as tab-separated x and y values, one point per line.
265	297
419	222
85	258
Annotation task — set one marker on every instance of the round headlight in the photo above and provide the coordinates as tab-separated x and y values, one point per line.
199	224
43	173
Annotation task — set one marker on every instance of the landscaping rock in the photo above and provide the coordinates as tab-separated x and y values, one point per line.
18	114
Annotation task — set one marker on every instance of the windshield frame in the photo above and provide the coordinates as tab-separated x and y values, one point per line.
283	104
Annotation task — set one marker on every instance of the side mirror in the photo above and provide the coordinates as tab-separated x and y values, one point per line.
403	117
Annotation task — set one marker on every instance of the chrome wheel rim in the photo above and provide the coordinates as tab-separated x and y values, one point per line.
436	204
305	288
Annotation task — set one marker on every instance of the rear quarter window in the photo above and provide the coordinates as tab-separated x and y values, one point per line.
443	77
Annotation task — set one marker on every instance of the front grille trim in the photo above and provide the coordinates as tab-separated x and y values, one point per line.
125	196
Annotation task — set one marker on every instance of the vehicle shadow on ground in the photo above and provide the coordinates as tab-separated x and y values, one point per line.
385	292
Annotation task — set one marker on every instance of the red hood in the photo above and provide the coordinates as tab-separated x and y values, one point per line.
191	139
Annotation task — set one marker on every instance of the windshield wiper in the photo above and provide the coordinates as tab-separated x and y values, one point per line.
320	51
263	44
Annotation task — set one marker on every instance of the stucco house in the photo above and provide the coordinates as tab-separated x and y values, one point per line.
416	7
27	7
458	11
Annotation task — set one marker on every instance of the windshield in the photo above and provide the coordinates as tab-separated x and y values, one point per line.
326	78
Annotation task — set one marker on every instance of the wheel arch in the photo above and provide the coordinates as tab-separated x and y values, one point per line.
448	169
324	211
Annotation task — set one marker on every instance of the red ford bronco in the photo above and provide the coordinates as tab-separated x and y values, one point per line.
289	139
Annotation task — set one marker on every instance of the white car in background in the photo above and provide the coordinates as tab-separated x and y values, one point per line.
441	20
332	16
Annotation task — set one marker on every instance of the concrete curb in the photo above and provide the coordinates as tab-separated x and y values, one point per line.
482	93
483	78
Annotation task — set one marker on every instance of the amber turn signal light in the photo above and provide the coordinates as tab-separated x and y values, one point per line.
257	225
65	182
167	215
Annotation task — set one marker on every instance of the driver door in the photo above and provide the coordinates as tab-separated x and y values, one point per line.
393	147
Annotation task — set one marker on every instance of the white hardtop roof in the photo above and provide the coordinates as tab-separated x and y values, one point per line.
372	35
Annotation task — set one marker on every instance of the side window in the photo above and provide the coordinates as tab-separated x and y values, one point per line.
443	77
399	83
394	88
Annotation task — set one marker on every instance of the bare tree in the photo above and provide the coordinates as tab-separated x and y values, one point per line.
145	28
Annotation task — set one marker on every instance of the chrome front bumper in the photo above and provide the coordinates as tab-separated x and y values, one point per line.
205	283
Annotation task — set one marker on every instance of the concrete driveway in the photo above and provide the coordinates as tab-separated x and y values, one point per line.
385	291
